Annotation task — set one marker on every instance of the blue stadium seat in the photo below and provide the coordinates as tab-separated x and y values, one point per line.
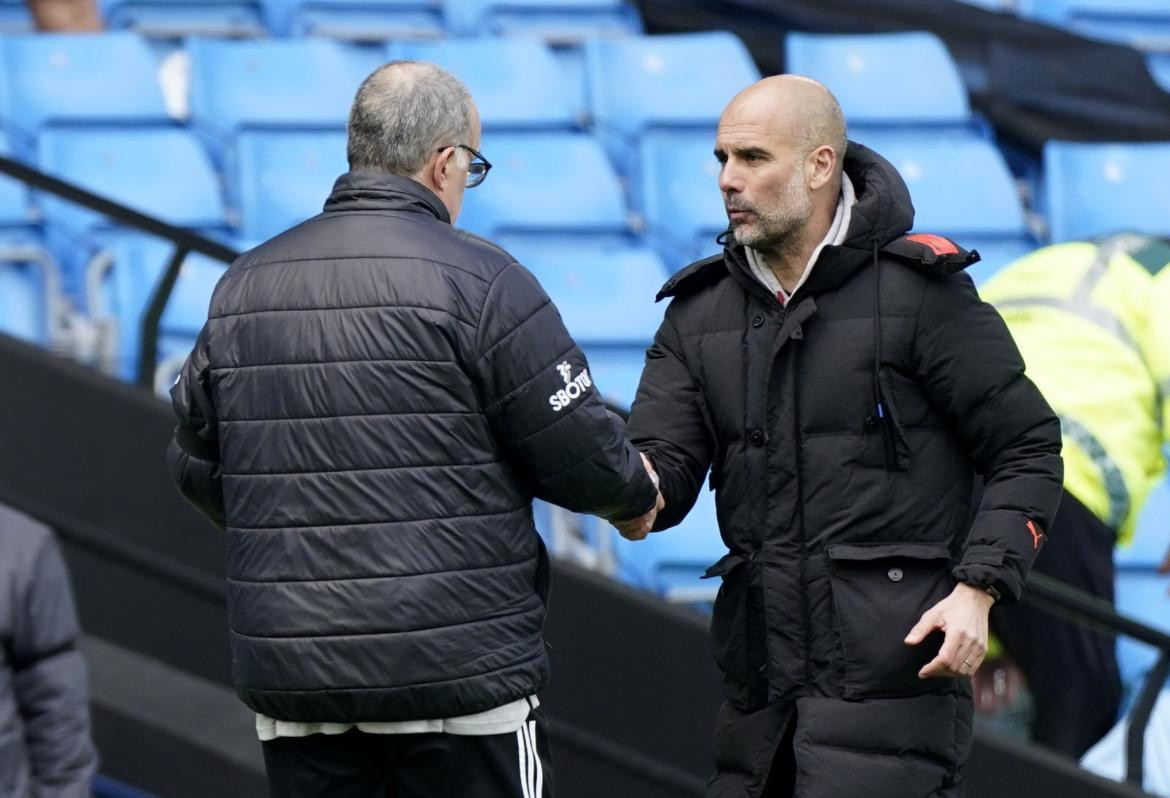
293	84
671	563
1142	592
357	20
552	20
29	280
15	17
679	194
66	79
885	78
1159	66
1144	24
556	186
282	178
644	82
1093	189
605	294
123	290
516	84
143	168
175	19
22	299
960	186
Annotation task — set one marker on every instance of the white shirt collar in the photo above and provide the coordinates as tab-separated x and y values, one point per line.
834	237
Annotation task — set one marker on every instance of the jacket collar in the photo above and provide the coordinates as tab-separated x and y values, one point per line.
381	191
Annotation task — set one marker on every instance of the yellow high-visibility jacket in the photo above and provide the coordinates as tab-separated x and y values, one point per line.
1092	320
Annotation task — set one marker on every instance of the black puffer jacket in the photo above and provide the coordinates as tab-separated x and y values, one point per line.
371	407
844	490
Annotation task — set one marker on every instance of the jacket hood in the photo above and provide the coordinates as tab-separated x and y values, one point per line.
365	191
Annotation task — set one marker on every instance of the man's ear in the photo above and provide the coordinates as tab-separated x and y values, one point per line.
443	168
821	161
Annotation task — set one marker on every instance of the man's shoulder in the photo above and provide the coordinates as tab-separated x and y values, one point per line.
695	278
21	539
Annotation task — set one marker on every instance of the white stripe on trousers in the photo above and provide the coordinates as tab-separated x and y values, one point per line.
539	791
528	760
521	754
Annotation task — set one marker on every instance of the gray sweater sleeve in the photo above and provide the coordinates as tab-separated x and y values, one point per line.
49	679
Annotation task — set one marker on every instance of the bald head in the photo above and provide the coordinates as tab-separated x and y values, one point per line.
799	109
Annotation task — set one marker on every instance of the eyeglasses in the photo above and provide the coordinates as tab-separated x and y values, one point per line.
479	167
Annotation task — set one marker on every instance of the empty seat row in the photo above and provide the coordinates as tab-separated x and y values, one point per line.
364	20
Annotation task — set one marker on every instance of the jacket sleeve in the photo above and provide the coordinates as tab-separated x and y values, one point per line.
667	423
974	375
193	454
49	681
545	412
1157	344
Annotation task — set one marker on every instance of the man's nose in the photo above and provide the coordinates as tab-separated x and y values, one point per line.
729	182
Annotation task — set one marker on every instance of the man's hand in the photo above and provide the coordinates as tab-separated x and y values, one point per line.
963	617
639	528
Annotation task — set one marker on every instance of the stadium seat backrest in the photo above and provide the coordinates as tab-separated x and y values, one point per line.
172	19
960	184
1144	24
545	183
22	300
516	83
14	210
63	79
239	84
1092	189
159	171
284	178
884	78
684	79
553	20
672	562
365	21
605	294
138	263
679	186
1062	10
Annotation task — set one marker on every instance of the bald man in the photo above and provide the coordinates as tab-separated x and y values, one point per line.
842	382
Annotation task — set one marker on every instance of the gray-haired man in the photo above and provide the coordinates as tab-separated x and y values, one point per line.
369	412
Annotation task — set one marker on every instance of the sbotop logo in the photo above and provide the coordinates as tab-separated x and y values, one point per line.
574	387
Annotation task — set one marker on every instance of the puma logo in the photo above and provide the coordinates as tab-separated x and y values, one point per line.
1037	536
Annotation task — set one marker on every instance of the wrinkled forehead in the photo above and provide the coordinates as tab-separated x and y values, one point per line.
748	122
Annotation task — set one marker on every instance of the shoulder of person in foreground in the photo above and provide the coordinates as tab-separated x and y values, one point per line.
48	673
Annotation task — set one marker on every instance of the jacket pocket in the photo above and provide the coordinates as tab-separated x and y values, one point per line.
732	625
879	593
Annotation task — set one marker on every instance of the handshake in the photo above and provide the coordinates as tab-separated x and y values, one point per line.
638	528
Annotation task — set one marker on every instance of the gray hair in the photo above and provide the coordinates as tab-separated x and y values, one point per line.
403	113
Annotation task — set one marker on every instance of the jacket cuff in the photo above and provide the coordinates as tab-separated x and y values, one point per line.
1000	551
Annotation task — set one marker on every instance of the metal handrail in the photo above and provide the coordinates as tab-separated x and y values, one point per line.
185	241
1058	598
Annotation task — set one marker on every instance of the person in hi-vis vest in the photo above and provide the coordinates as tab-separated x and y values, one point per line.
1092	320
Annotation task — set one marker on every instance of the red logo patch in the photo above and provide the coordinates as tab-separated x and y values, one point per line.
1037	536
938	245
